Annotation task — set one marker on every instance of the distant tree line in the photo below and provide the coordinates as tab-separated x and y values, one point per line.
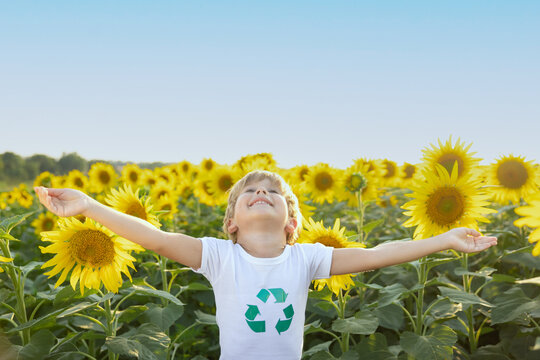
15	168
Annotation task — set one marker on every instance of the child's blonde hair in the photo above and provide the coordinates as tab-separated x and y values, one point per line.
276	179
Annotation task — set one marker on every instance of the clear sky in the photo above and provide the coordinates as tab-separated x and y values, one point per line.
309	81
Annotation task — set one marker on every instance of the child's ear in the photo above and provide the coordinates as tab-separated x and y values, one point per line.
232	227
291	225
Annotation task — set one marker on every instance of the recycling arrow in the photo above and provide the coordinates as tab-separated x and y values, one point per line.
253	311
283	325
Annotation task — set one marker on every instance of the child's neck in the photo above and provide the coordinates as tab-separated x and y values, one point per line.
262	244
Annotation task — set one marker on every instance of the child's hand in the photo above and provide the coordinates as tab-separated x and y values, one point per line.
469	240
63	202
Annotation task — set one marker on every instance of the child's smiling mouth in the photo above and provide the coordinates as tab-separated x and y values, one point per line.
260	202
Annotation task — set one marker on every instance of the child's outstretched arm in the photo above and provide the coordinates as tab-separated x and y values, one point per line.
69	202
352	260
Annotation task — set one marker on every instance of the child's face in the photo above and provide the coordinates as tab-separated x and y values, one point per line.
260	201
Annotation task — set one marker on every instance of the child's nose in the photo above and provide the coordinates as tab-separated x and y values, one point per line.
261	190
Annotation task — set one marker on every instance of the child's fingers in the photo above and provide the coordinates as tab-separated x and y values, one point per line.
472	232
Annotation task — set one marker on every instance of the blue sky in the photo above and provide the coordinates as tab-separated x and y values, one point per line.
309	81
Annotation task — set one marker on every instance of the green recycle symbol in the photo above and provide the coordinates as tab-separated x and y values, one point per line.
259	326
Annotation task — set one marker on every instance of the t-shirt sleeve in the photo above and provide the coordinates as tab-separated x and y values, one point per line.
319	260
214	251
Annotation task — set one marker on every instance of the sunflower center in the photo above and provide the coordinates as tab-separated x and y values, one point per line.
78	182
448	160
133	176
445	206
162	193
225	182
47	225
166	207
329	240
512	174
409	171
135	209
92	247
323	181
185	168
209	165
303	172
390	169
104	177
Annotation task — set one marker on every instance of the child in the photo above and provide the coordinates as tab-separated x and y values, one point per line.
260	278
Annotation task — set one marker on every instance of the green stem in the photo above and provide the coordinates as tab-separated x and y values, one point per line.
422	277
110	328
18	285
361	211
176	339
345	336
469	312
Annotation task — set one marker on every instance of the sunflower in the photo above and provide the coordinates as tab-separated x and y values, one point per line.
221	179
297	175
390	173
128	202
201	189
315	232
44	179
91	252
261	161
306	210
161	189
447	154
356	178
44	222
531	217
77	180
4	259
513	177
167	204
24	198
207	165
444	201
322	182
409	173
165	174
185	169
148	177
132	175
102	177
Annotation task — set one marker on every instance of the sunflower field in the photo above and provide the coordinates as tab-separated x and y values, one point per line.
72	289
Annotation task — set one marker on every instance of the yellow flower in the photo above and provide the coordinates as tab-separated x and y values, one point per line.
4	259
168	204
44	222
513	178
447	154
408	173
92	253
391	174
102	177
356	178
148	177
132	175
261	161
322	182
315	232
128	202
531	217
207	165
444	201
44	179
220	180
77	180
24	198
161	189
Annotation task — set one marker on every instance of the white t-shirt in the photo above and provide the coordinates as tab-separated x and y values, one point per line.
261	302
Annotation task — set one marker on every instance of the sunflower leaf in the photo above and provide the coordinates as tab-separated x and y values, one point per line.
39	346
8	224
363	323
153	292
437	344
463	297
